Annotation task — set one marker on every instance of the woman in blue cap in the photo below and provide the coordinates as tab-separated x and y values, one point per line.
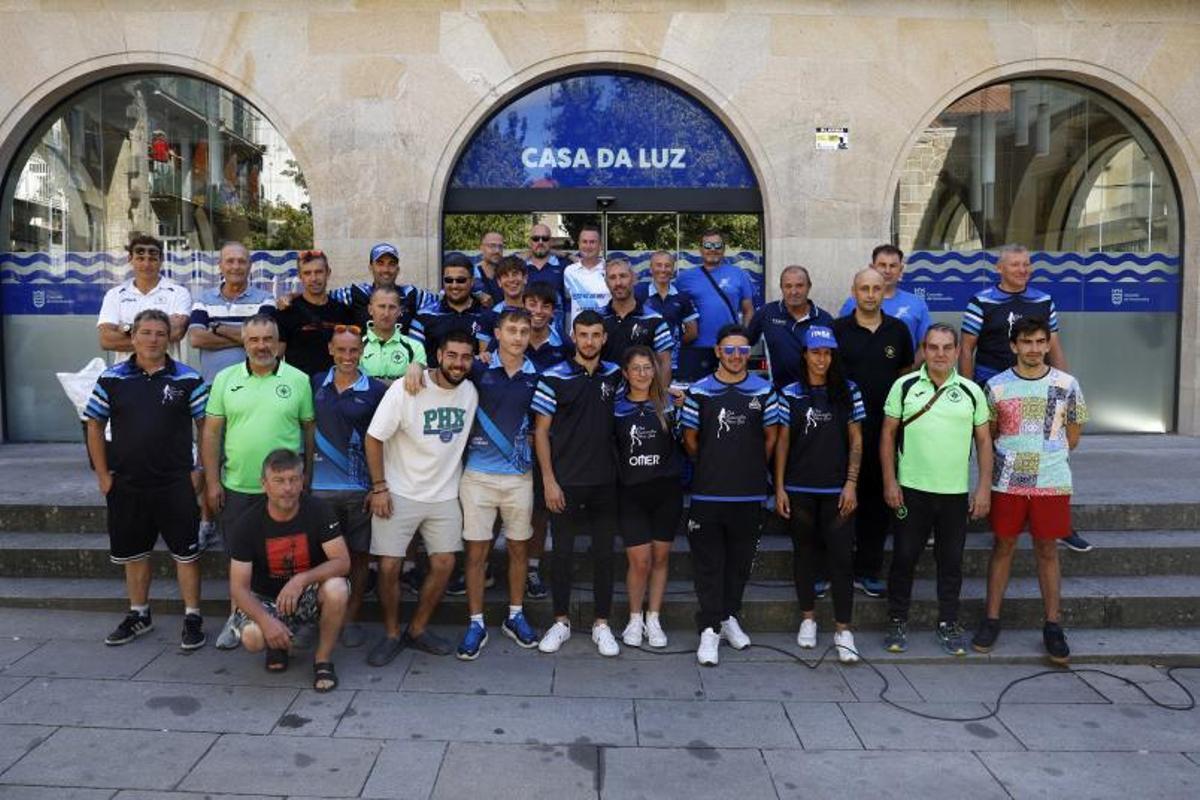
817	459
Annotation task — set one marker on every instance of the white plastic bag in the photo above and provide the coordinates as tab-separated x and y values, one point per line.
79	385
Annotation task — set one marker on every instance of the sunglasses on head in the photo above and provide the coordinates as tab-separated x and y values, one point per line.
539	238
713	245
310	255
735	349
357	331
152	252
448	279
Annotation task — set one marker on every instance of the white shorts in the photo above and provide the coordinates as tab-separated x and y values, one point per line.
440	526
484	493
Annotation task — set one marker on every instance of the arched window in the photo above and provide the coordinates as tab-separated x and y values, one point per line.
174	156
1071	174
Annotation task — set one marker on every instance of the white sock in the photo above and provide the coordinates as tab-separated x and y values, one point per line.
651	615
637	615
514	610
143	610
195	611
477	618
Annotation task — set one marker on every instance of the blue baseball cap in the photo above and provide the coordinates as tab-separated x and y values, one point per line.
384	249
819	336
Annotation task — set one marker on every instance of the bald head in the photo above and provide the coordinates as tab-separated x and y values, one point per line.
867	275
868	292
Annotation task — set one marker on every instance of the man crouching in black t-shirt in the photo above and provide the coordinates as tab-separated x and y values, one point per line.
288	568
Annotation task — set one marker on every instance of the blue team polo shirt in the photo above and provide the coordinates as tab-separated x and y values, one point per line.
784	337
503	415
904	306
714	313
342	421
676	308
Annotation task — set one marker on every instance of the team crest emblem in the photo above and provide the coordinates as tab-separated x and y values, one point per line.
39	298
954	395
1118	296
755	404
889	352
283	391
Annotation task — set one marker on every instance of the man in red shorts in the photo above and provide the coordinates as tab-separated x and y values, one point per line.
1037	414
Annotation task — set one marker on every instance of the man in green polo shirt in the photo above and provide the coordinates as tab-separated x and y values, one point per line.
387	351
254	407
930	420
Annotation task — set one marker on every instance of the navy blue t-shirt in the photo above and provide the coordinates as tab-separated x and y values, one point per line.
784	337
439	319
818	436
732	420
676	308
500	444
342	421
645	451
990	316
581	432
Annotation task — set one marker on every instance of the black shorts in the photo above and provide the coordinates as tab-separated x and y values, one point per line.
650	511
353	520
137	516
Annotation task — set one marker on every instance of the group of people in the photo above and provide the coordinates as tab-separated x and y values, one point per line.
380	422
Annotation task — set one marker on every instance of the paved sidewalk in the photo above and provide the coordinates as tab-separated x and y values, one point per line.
79	720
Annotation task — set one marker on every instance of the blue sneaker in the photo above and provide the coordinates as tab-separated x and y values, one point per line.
472	642
520	631
871	587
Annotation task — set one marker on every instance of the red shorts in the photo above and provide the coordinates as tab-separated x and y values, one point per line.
1048	515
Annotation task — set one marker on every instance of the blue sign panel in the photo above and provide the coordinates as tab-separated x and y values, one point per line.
1095	282
603	130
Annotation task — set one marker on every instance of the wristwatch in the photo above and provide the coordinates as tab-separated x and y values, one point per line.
127	329
213	324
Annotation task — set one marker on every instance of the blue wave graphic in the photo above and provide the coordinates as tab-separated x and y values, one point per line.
119	259
1041	256
1042	275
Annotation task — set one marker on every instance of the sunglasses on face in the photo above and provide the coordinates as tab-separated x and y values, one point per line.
357	331
735	349
148	252
713	245
455	281
539	238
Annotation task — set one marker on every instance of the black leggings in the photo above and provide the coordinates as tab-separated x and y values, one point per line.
946	516
815	518
590	510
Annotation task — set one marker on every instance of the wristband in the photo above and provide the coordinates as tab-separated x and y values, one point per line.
378	491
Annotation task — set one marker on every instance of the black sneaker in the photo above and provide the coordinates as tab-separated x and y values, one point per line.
985	637
411	581
193	636
1076	542
950	636
457	586
896	638
133	626
534	587
1056	644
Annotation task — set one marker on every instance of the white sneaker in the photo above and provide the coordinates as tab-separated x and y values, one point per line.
229	638
555	637
807	637
732	632
654	632
606	643
706	653
847	652
632	636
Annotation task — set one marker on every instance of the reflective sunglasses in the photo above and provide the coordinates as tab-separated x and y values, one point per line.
357	331
713	245
735	349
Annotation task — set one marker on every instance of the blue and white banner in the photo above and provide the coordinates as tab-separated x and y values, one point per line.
54	283
1093	282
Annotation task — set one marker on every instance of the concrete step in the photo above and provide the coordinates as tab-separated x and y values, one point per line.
1162	601
85	555
1095	516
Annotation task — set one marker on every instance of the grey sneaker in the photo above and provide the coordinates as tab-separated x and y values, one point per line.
427	642
353	635
229	638
952	638
385	651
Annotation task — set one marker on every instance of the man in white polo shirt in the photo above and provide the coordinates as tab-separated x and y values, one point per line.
148	288
414	449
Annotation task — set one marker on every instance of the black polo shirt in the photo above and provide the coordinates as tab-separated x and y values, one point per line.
307	329
580	405
874	359
642	325
357	297
439	319
151	416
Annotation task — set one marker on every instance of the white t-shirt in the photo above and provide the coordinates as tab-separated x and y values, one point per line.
585	289
124	302
424	438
